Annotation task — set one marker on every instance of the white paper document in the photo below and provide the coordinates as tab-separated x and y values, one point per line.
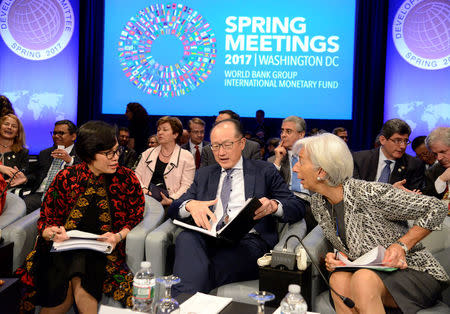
82	240
372	260
201	303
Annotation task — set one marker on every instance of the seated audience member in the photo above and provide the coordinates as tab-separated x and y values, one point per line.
390	163
203	263
342	133
271	144
13	154
139	126
437	177
5	106
357	216
96	196
184	138
153	141
50	162
251	149
167	166
128	155
422	152
196	143
293	128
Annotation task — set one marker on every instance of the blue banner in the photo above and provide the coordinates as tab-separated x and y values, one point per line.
417	64
39	64
197	57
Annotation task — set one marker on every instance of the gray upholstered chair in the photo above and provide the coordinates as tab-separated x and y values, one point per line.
23	233
438	242
159	240
14	209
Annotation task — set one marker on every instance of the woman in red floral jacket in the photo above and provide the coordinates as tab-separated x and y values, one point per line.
96	196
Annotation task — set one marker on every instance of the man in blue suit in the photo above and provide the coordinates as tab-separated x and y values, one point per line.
203	263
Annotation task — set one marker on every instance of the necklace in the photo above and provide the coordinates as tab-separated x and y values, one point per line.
166	155
5	146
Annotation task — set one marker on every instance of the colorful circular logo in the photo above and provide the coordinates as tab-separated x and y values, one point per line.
421	33
36	29
158	22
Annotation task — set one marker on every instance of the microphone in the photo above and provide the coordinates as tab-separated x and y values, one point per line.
9	183
347	301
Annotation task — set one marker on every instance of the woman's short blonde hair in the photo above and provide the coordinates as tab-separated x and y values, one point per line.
329	152
19	140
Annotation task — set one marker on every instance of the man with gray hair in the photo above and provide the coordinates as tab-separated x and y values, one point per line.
389	163
293	129
437	177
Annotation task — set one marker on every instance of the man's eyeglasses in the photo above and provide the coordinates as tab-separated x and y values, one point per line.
110	154
287	131
225	146
198	132
398	141
55	133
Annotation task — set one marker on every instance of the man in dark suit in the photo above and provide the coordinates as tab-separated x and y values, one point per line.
389	163
293	128
250	151
203	263
50	161
437	178
196	143
128	156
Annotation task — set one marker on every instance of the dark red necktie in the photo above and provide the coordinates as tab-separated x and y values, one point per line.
197	157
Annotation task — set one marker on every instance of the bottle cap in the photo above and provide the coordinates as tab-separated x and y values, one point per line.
294	289
146	264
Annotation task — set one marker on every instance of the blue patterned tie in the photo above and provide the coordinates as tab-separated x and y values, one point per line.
225	198
386	172
295	181
52	172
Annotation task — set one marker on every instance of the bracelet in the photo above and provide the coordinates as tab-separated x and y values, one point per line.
403	245
120	235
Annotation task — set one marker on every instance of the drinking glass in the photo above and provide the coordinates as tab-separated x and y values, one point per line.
261	297
167	304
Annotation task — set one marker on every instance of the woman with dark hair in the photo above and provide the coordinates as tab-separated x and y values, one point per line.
96	196
5	106
166	167
13	154
139	126
357	216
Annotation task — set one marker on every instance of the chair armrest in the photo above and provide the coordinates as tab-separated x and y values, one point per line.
317	246
14	209
438	240
156	244
298	229
23	233
135	241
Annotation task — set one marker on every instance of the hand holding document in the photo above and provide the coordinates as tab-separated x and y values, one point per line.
82	240
371	260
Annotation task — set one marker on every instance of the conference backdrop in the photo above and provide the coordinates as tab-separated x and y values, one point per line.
417	64
39	64
197	57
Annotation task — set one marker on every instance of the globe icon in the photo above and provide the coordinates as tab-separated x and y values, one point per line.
36	24
426	29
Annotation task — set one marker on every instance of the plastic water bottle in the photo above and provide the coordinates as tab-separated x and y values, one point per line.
143	288
293	302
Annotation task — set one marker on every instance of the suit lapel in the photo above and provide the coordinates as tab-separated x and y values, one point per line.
374	165
399	170
249	178
213	182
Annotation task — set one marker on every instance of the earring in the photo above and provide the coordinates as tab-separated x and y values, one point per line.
319	179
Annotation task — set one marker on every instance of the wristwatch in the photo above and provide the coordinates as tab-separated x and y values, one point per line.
403	245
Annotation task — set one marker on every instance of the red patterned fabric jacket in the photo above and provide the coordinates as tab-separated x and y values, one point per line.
126	203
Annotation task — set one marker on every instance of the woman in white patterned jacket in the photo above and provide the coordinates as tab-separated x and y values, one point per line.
357	216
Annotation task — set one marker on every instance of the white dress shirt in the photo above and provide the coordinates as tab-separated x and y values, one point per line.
382	164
